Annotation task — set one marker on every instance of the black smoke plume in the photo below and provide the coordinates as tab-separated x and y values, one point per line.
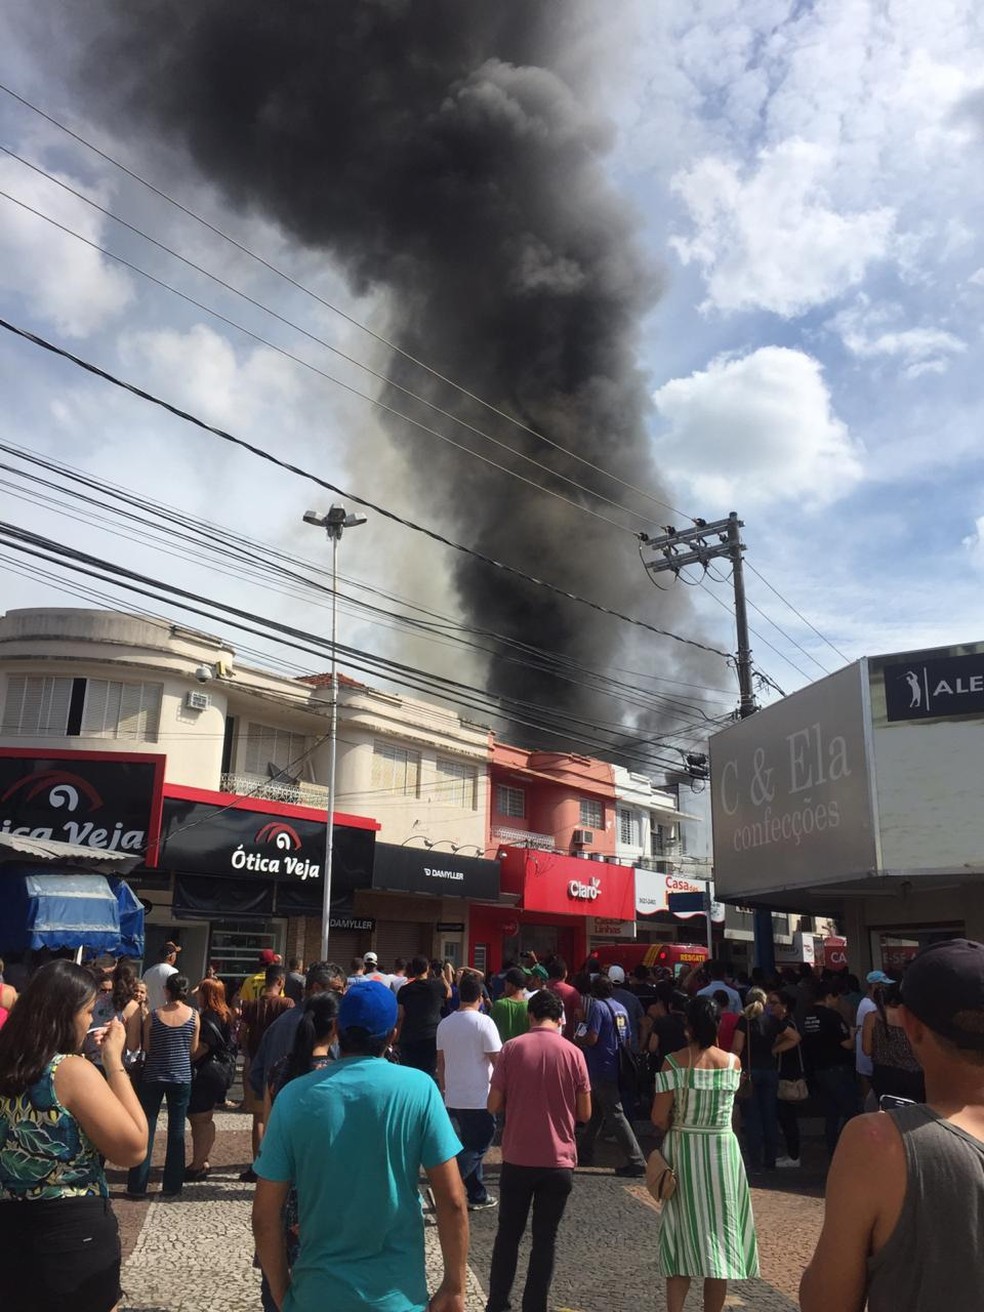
438	150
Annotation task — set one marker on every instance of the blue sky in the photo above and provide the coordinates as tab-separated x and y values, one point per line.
809	180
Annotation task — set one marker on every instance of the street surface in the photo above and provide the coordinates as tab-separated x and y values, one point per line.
195	1254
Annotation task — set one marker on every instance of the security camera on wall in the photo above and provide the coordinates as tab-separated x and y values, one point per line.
204	674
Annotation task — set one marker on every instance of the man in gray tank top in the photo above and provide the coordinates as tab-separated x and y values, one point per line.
904	1217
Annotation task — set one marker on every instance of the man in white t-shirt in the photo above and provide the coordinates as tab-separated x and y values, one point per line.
155	976
862	1063
467	1046
372	970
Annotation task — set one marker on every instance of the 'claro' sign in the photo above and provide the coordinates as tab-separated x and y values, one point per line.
790	796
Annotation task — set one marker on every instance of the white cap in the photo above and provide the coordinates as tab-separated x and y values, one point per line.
616	974
370	956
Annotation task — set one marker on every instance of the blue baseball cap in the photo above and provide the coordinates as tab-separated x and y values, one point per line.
370	1006
878	977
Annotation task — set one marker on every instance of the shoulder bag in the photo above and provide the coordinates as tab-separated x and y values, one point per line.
661	1179
793	1090
630	1067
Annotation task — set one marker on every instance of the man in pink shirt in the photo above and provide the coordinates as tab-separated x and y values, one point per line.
541	1083
568	994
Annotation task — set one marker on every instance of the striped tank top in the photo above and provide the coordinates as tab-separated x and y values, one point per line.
169	1055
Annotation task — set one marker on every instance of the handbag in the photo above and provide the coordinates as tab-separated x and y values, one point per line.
221	1057
794	1090
661	1179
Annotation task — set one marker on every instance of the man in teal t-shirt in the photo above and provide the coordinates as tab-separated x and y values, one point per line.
352	1139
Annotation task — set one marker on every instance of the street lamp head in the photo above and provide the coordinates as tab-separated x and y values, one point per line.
335	521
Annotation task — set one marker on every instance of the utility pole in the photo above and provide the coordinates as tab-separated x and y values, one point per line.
693	546
675	550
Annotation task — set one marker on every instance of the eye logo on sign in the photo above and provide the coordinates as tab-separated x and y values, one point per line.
63	790
281	835
286	840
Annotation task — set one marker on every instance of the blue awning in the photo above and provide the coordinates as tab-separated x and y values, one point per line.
48	910
131	914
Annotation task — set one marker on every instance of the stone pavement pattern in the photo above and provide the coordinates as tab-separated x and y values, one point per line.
195	1254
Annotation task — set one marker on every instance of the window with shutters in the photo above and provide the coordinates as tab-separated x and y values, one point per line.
510	801
122	710
457	784
628	827
395	770
36	707
269	751
592	814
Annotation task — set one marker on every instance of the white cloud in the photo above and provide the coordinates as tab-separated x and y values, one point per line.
769	238
869	331
60	278
759	428
973	544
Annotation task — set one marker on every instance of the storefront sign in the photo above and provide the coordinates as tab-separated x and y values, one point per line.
105	800
364	924
790	791
450	926
410	870
653	890
565	885
921	690
244	839
612	928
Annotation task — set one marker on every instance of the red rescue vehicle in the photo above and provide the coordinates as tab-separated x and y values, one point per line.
673	957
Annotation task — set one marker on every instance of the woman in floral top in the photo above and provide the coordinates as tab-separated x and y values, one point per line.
57	1115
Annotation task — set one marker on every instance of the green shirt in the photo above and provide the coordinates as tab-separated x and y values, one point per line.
511	1017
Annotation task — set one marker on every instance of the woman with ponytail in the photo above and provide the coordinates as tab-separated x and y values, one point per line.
312	1051
707	1230
755	1036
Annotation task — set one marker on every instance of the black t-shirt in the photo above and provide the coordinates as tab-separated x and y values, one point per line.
823	1032
421	1000
671	1033
791	1062
760	1034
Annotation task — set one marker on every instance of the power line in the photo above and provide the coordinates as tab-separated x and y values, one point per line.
788	636
306	364
320	341
260	560
33	544
798	614
45	345
280	273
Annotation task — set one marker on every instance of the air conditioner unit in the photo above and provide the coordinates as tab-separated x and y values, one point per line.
582	836
197	701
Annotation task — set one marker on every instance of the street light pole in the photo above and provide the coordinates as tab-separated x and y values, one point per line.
334	524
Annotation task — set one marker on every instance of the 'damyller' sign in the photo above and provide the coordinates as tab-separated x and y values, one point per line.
446	874
949	685
110	801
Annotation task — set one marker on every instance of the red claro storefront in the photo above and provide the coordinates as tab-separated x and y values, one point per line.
557	894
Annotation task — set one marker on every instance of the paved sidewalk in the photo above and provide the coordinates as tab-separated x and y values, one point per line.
195	1254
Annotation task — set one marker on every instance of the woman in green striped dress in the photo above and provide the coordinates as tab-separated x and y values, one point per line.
707	1231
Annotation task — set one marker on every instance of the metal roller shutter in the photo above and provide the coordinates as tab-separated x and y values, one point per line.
344	944
402	938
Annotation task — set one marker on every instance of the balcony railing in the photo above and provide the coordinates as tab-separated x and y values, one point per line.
523	838
273	790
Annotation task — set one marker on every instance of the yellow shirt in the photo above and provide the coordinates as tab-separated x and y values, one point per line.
253	986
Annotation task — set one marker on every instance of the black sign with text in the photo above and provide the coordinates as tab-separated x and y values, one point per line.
110	801
922	690
237	842
410	870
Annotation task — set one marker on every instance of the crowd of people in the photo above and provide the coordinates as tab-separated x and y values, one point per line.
394	1085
